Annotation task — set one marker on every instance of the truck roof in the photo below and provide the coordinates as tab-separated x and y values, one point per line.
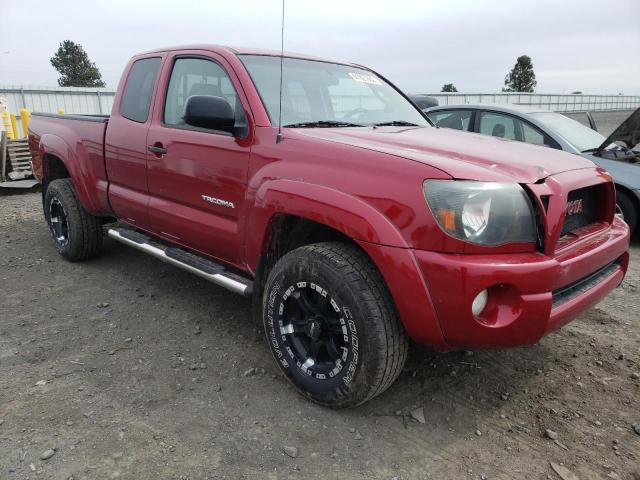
233	50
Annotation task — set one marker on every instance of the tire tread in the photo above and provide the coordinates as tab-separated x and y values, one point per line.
87	231
362	276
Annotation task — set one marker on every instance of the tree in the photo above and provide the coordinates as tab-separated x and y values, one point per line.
521	78
74	66
449	87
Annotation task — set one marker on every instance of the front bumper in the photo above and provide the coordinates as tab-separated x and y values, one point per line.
529	294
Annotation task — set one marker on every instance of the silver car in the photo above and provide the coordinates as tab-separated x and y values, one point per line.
616	153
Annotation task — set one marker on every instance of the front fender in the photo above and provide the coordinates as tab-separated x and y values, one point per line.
358	220
343	212
624	174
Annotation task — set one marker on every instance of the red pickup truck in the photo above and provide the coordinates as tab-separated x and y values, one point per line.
358	227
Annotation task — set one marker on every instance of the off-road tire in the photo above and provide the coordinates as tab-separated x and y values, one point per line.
377	342
629	210
83	238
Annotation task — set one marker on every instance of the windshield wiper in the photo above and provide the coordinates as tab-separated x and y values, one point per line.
610	147
395	123
322	124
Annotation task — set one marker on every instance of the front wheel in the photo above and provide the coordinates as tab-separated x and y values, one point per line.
77	234
332	325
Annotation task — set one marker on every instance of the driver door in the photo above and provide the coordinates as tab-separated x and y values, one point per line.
197	177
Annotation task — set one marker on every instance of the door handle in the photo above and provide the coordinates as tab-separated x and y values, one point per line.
157	149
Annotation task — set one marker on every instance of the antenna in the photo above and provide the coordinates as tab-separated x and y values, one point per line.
279	135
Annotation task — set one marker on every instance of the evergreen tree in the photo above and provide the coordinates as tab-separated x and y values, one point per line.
449	87
74	66
521	78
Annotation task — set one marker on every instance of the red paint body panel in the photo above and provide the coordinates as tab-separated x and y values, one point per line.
524	283
79	144
366	183
198	163
467	156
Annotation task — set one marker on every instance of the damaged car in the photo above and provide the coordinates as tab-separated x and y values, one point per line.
618	153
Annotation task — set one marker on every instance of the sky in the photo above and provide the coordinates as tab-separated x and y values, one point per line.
590	45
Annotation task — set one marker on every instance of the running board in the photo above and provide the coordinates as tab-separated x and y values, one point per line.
211	271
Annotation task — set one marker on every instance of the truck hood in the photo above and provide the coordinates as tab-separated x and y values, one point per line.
462	155
628	133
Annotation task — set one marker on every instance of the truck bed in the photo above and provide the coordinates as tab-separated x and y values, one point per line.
88	118
77	141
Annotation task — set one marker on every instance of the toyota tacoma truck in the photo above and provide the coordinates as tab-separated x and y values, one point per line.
328	199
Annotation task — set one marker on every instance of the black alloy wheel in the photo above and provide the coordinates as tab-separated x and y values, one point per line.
315	331
58	222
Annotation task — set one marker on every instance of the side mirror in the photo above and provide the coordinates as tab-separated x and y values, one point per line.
206	111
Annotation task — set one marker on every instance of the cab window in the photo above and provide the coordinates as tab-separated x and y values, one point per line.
197	76
136	97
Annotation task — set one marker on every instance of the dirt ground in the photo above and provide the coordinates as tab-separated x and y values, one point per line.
129	368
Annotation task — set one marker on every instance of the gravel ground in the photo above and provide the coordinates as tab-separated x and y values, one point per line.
125	367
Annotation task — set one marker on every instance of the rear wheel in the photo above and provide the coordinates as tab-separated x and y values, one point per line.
332	325
627	209
77	234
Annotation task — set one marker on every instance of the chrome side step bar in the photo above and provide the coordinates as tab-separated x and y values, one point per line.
200	266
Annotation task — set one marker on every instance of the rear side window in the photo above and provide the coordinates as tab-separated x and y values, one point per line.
498	125
532	135
136	97
457	119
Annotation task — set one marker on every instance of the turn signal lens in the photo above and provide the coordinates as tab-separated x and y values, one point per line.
447	219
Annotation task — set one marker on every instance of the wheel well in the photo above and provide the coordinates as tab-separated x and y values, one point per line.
288	232
284	234
634	199
54	168
629	194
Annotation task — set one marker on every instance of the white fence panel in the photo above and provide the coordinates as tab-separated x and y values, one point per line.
84	101
558	103
99	101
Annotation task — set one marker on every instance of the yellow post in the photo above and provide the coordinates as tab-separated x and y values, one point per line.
14	126
61	111
7	125
25	116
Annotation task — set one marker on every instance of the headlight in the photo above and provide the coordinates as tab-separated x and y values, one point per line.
486	213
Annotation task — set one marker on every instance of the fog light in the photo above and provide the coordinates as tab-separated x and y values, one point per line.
479	302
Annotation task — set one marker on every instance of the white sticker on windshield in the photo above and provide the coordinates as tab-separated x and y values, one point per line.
364	78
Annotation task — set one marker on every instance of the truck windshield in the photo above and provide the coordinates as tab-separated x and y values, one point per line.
322	94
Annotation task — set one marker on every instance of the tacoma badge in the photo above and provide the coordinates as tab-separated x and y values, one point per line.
218	201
